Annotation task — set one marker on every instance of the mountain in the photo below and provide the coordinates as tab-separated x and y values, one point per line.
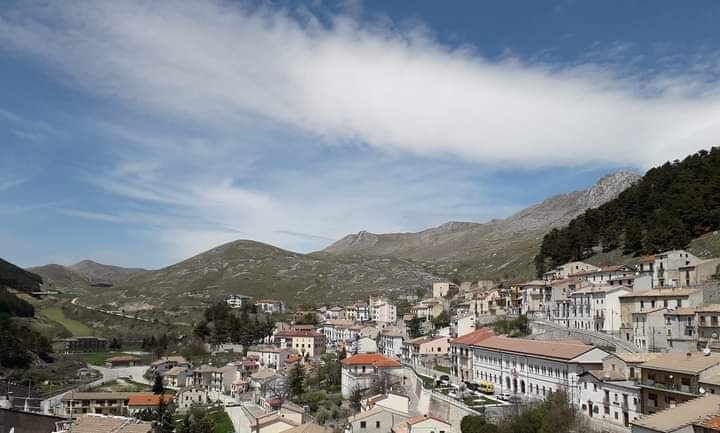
666	209
264	271
99	273
18	278
84	274
494	248
61	277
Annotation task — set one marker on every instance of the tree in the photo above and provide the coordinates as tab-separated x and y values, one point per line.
296	380
115	344
158	386
442	320
413	327
355	399
476	424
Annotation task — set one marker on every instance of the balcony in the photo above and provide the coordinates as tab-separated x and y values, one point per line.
682	389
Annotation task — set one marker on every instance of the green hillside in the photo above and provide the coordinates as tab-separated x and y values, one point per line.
669	207
18	278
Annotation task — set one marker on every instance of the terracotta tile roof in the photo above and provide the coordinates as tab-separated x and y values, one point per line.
474	337
123	358
374	359
148	399
421	418
542	348
298	333
712	423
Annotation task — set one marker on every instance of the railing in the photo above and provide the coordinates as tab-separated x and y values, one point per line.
687	389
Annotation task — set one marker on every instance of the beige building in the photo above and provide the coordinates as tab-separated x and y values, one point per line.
673	378
653	300
423	424
376	420
306	343
424	346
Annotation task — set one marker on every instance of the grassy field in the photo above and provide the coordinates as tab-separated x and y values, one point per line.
57	315
220	420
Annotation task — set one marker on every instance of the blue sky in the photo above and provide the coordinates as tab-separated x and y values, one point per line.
141	133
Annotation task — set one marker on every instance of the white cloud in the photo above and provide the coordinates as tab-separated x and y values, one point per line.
394	89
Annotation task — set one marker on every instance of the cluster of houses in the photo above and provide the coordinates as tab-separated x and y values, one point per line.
657	305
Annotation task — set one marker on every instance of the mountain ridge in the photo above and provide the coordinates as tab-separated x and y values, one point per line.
459	240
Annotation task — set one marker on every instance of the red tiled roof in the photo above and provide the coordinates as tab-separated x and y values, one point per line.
148	399
421	418
474	337
712	423
374	359
298	333
123	358
548	349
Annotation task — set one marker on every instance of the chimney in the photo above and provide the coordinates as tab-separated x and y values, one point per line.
688	355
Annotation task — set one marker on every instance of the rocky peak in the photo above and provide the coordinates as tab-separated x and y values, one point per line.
609	187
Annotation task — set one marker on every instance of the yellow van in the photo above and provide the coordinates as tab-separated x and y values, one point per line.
486	387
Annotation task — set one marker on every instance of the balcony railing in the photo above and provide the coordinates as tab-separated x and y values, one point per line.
686	389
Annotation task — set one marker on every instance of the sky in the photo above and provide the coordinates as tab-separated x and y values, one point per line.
140	133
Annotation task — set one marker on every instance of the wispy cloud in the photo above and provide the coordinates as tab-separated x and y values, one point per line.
11	183
395	89
96	216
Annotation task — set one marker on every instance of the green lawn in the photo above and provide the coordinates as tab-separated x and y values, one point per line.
220	420
57	315
442	368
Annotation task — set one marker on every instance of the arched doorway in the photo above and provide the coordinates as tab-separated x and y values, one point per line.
507	382
522	387
515	386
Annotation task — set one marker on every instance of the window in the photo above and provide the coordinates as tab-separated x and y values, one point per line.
363	424
377	424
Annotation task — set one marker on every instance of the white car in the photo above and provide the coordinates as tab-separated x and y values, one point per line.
505	396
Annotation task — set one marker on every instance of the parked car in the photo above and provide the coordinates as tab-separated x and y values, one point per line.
505	396
445	378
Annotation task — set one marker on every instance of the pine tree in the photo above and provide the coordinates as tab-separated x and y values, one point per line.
296	380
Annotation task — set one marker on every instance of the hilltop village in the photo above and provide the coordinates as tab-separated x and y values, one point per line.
630	348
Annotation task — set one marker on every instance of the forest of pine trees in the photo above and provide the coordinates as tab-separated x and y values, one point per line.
666	209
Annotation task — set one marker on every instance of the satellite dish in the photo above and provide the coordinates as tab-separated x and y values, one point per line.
714	335
702	390
706	351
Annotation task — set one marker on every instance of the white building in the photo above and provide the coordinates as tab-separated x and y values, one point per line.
384	312
460	326
596	308
564	271
269	356
442	289
533	368
609	397
270	306
340	332
237	301
391	343
665	268
360	372
608	273
365	345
